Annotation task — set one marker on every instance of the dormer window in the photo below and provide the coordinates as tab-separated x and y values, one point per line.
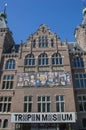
43	29
52	42
43	41
34	44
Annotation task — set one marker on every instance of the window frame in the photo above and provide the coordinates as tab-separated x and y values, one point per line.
5	104
28	103
43	59
81	103
52	42
43	41
44	104
8	82
5	123
80	80
29	60
60	104
33	43
78	62
57	59
10	64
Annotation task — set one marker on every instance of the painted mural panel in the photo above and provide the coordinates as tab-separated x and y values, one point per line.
44	79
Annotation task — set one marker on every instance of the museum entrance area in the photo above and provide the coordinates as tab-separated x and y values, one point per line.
42	126
43	121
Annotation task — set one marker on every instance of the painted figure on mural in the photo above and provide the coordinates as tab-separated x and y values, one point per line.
38	82
50	79
20	81
62	77
32	80
56	78
43	79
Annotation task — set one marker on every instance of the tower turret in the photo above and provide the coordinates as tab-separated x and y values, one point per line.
6	39
80	32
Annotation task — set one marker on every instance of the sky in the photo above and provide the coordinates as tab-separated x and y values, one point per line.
25	16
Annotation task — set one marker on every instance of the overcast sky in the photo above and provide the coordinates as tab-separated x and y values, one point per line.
25	17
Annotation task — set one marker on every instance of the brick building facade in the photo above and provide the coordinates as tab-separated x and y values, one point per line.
42	82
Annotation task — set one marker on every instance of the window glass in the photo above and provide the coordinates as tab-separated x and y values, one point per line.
78	62
43	59
10	64
56	59
5	124
34	43
8	81
29	60
60	103
82	103
52	42
44	104
43	41
80	80
5	104
28	104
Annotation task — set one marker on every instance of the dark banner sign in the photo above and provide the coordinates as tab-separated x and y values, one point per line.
43	117
44	79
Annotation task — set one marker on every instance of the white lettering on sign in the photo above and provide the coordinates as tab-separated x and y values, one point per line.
43	117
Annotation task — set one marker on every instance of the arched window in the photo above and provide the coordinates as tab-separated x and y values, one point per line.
10	64
5	124
0	123
29	60
43	59
56	59
78	62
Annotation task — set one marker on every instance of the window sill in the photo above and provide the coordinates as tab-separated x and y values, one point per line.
43	65
29	66
9	70
5	113
59	65
78	68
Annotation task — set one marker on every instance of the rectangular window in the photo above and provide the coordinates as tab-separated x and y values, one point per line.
60	103
82	103
28	104
78	62
8	82
43	41
80	80
5	104
52	42
44	103
33	43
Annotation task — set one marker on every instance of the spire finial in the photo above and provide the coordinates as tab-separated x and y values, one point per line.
5	6
84	5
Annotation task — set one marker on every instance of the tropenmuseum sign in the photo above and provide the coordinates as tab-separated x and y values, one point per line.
43	117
